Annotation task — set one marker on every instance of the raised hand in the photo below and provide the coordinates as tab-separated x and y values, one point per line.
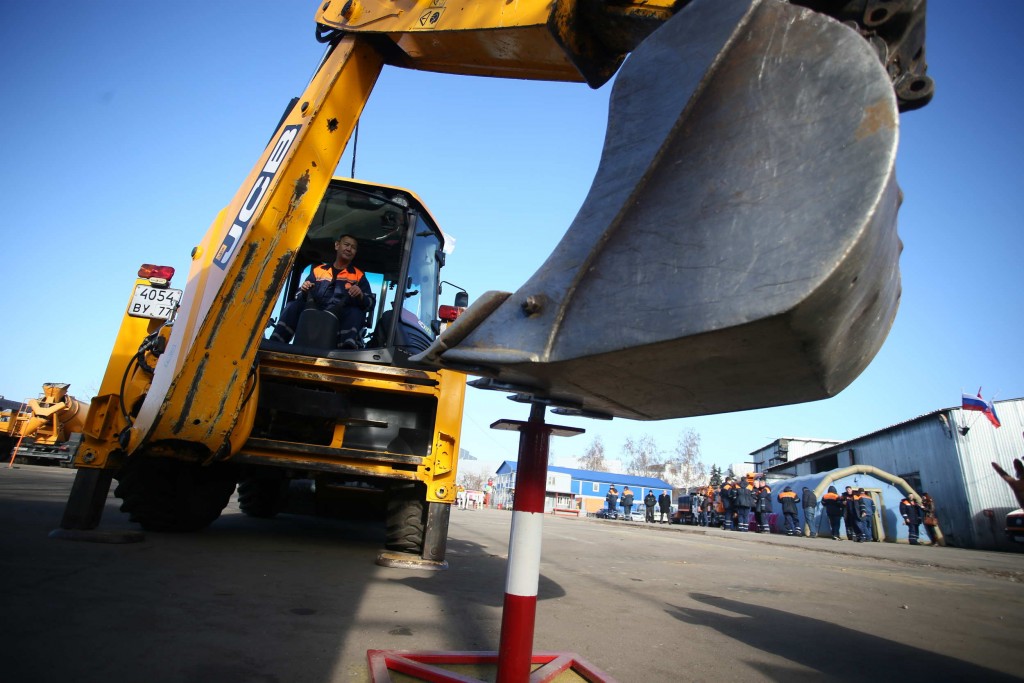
1016	484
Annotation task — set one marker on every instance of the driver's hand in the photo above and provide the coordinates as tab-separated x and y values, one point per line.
306	286
355	292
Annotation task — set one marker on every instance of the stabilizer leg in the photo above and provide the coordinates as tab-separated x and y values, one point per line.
84	508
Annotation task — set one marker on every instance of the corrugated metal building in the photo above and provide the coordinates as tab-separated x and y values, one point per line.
947	453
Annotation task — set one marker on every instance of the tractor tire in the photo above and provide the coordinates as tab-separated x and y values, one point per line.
406	519
163	494
7	447
262	496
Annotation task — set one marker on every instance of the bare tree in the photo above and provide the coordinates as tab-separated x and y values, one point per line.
473	479
642	456
685	467
593	458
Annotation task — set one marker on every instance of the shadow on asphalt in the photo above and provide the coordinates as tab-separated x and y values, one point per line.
471	590
244	600
846	654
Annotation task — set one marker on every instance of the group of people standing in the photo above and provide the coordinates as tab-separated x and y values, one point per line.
854	509
731	505
739	497
663	502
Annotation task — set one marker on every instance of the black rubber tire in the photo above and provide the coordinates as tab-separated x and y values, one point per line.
6	448
406	519
262	495
163	494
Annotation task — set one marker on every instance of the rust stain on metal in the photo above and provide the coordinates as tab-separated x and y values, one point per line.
268	297
877	116
301	187
227	302
190	397
214	423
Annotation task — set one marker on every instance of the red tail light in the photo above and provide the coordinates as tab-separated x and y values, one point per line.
449	313
151	272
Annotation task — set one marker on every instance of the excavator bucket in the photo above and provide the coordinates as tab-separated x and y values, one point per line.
738	247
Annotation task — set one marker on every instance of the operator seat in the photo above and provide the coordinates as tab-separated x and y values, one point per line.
316	328
320	329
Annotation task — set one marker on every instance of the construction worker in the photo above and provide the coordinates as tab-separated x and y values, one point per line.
727	496
867	518
612	499
712	506
339	288
833	504
627	503
649	502
853	514
790	510
809	502
763	506
910	510
744	501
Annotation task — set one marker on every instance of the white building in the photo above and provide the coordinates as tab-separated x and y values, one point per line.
784	450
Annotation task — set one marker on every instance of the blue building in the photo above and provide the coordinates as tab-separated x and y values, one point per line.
573	489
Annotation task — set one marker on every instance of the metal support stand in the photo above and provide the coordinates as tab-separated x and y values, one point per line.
84	509
515	658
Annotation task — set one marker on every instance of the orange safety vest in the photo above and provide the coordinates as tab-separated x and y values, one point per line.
325	271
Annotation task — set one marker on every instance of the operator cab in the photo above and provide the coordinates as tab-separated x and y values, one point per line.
401	252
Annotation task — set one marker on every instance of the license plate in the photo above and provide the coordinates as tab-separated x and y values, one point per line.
153	302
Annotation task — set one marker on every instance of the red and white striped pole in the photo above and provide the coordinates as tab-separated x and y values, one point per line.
519	612
515	657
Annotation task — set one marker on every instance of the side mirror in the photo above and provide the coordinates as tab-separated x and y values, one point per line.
462	299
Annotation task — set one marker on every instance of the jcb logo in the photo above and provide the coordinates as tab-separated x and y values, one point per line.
255	196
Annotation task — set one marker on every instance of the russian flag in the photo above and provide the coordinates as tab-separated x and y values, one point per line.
979	404
990	413
974	403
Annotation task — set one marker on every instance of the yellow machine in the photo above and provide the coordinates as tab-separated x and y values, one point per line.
12	421
353	425
719	125
47	427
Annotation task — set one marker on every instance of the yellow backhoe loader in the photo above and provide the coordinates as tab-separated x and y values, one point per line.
737	250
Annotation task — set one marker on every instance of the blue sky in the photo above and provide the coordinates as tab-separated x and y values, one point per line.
131	124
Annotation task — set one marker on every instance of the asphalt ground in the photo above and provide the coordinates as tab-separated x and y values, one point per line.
301	599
